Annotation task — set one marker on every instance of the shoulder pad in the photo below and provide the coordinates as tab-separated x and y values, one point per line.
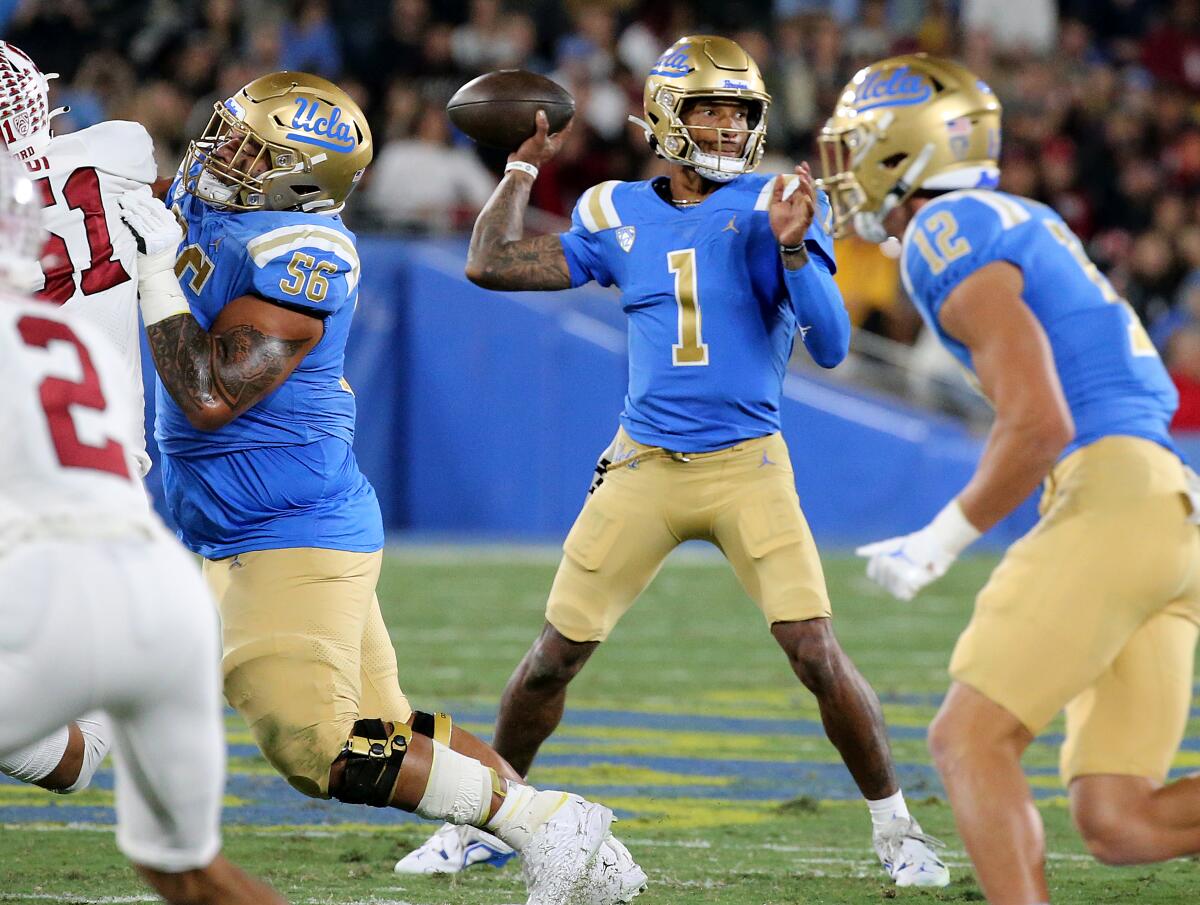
300	240
596	209
121	148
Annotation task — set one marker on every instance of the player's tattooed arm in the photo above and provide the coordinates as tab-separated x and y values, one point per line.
215	376
499	258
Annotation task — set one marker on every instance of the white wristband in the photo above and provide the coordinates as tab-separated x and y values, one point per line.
951	530
521	166
161	297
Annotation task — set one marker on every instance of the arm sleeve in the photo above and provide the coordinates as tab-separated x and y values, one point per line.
819	239
584	250
820	311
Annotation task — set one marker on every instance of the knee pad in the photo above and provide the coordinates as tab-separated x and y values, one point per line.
372	757
436	726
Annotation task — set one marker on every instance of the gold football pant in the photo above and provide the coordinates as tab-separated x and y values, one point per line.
306	653
1096	610
742	499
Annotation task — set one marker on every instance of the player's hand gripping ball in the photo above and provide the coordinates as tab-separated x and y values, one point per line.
498	108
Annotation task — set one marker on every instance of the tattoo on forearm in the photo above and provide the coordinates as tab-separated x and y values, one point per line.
505	260
234	369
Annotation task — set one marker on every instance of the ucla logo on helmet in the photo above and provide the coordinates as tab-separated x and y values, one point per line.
674	64
897	88
325	131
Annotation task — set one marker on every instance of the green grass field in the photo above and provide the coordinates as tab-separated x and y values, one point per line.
688	723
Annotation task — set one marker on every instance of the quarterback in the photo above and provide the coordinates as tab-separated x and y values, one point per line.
719	269
89	266
102	607
1097	608
247	319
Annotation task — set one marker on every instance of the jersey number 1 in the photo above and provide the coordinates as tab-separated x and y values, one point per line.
691	348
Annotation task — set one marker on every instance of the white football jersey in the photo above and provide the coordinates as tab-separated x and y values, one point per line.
90	263
65	414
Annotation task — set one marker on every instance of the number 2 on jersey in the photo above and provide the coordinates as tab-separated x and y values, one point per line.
58	395
691	348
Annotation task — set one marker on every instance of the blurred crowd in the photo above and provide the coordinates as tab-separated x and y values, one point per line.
1101	99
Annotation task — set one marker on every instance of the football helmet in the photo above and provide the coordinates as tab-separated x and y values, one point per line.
25	112
286	141
704	66
906	123
22	235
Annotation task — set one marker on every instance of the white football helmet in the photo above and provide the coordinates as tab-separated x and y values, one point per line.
25	112
22	235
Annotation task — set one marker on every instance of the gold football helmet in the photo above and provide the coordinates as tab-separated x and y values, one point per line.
902	124
286	141
707	66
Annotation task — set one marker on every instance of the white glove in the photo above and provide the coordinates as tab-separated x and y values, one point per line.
157	233
903	565
153	225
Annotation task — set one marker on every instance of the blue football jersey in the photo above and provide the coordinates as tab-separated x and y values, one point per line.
1111	375
711	318
281	474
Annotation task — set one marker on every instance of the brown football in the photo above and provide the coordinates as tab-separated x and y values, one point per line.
498	108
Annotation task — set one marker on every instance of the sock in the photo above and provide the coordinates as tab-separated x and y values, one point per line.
96	731
459	790
885	810
36	761
524	811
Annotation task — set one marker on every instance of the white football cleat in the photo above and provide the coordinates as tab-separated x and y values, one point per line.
907	854
615	878
455	848
558	860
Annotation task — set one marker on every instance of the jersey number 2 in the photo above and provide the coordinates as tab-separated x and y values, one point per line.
58	395
82	193
691	348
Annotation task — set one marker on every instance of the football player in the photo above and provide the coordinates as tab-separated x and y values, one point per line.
102	607
1096	608
719	269
247	319
89	266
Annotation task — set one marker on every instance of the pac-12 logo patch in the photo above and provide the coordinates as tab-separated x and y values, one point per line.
625	237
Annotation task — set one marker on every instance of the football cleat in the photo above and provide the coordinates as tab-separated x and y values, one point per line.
908	856
615	878
455	848
559	859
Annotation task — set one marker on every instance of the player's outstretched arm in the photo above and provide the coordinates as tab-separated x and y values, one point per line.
499	258
213	375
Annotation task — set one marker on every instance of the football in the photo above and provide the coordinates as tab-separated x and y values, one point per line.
497	109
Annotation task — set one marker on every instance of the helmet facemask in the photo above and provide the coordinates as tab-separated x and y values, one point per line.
843	151
678	144
237	183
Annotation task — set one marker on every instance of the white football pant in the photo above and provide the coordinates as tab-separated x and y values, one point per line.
126	626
